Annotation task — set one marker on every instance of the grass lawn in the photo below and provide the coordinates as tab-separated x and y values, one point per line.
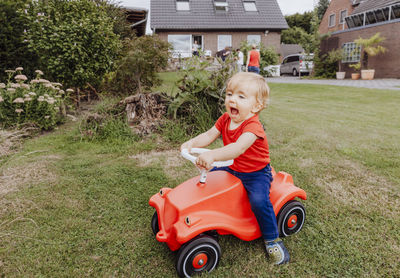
71	209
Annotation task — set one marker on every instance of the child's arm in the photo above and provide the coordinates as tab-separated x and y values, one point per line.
202	140
227	152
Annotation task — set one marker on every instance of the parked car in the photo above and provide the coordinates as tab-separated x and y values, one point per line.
297	63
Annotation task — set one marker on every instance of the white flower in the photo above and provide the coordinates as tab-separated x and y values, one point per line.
11	90
19	68
57	108
41	98
1	99
43	81
61	92
70	90
34	81
18	100
9	71
2	85
47	117
57	96
25	86
32	93
27	99
39	72
57	84
20	77
50	101
46	95
15	85
19	110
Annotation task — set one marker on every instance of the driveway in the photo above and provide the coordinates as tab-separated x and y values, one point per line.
389	84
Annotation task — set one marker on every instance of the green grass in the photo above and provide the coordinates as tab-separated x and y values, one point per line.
81	208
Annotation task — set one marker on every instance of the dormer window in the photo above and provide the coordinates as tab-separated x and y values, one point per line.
250	6
182	5
221	5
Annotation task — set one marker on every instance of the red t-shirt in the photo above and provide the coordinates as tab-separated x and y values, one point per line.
254	59
256	157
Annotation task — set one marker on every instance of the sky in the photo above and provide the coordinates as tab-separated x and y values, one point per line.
288	7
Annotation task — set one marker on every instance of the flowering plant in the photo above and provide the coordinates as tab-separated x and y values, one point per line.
39	102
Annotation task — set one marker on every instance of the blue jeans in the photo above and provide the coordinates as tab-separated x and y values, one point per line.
253	69
257	185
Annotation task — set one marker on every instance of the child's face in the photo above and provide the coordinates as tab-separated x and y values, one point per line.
241	103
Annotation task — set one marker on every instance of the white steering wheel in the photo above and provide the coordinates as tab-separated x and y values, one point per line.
193	158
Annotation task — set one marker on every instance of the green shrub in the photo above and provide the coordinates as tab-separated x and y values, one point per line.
14	50
200	100
137	70
75	40
38	102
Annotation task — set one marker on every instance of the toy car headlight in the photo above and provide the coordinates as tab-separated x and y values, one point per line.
187	220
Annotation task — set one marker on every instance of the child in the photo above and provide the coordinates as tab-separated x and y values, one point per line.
245	142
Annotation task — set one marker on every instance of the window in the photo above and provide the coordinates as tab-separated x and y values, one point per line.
221	5
182	5
182	45
250	6
352	52
254	39
332	20
343	14
224	41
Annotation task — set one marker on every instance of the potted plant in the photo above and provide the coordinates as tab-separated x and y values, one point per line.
355	75
369	47
336	56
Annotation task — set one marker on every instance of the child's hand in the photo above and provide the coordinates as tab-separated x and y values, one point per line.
187	145
205	160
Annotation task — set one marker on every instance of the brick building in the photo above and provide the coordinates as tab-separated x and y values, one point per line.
365	18
216	24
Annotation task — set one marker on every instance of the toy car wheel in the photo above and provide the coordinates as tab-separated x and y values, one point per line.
154	223
295	72
201	254
291	218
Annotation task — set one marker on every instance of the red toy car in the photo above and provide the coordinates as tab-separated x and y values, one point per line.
190	217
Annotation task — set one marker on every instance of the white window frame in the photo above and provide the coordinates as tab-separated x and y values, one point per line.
221	5
182	5
220	42
250	6
251	40
352	52
183	52
341	19
334	20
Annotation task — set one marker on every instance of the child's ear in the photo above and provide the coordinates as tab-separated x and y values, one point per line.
257	108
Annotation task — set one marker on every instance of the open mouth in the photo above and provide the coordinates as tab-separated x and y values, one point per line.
234	111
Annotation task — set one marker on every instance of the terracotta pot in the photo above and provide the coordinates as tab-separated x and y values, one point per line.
340	75
355	76
367	74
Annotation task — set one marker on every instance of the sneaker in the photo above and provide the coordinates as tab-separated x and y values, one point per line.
277	251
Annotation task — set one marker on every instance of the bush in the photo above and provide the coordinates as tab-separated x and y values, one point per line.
13	47
200	100
137	70
40	102
74	40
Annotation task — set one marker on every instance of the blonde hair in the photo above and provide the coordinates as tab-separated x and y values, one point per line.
253	82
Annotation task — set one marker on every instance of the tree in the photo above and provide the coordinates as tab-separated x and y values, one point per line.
138	67
295	35
300	20
370	47
74	40
322	6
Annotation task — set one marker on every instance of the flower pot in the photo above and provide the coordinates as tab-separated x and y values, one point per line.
355	76
340	75
367	74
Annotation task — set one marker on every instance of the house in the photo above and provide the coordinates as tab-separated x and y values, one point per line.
137	18
364	19
216	24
